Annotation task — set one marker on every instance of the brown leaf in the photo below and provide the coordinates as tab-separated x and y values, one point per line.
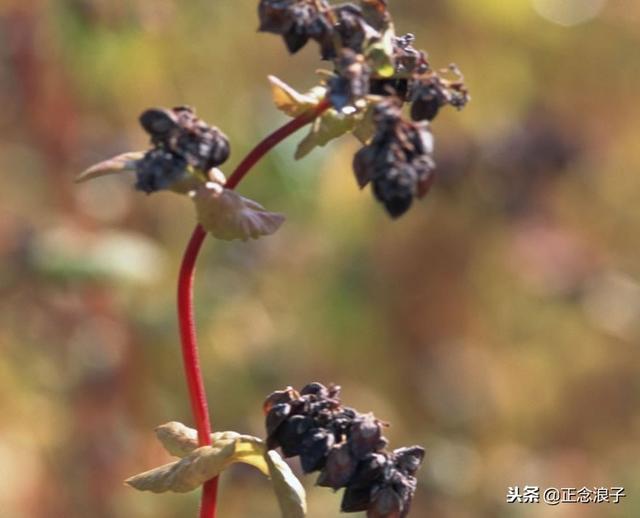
227	215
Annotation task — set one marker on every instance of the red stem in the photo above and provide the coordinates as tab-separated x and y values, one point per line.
193	373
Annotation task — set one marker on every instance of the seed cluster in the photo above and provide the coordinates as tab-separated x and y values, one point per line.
432	92
353	37
180	140
346	447
297	22
332	27
398	160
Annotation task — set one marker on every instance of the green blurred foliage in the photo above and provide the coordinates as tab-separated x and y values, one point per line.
497	324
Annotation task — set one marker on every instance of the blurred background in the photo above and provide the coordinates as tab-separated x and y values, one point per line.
497	324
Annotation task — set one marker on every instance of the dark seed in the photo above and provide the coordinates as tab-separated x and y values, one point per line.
356	499
280	396
290	434
158	122
408	460
366	433
339	469
363	165
385	504
159	170
425	109
315	389
397	87
295	39
370	470
277	416
315	448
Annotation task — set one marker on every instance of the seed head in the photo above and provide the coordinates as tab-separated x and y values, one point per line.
346	447
180	140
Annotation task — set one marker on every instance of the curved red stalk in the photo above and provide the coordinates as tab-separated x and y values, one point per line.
193	373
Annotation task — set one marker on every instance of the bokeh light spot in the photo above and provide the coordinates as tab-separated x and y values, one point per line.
568	12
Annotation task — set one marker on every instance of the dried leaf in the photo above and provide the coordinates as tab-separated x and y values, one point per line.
288	489
179	440
203	464
292	102
186	474
117	164
227	215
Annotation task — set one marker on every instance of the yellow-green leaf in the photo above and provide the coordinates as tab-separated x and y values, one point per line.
117	164
203	464
324	129
291	495
380	54
364	127
251	450
180	440
292	102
